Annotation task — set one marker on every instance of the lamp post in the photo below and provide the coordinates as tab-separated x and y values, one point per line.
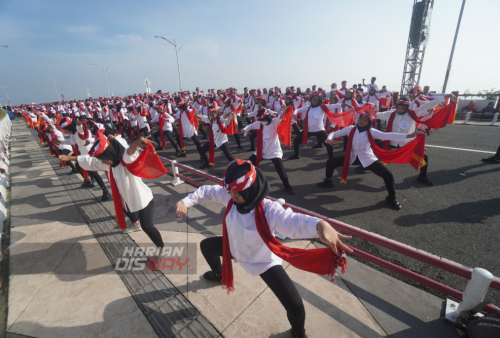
104	70
453	47
176	56
5	90
54	82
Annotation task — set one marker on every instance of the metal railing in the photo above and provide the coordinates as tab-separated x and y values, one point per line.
375	239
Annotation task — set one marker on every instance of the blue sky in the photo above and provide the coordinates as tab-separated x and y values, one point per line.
238	44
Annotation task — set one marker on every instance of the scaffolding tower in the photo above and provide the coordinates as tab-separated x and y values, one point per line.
417	41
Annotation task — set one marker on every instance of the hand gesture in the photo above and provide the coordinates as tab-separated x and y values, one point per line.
328	235
415	134
181	210
142	141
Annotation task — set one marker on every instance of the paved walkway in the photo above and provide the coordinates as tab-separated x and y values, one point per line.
62	280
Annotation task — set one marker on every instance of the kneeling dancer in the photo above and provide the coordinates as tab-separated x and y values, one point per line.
247	238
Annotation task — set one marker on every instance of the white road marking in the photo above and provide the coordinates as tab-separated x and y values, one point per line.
473	150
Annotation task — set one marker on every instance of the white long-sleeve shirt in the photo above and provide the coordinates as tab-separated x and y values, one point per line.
219	137
404	123
65	143
247	247
361	147
187	128
374	99
168	120
316	114
271	147
135	194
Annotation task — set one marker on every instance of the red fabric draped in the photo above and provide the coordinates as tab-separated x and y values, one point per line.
147	164
193	119
321	261
441	118
211	149
76	152
231	129
161	124
260	144
131	130
343	120
413	152
85	132
285	127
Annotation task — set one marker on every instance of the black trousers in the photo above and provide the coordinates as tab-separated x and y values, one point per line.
280	169
195	140
423	170
98	179
376	167
146	217
276	279
320	136
168	135
224	147
237	139
296	128
68	152
202	131
145	131
252	134
498	152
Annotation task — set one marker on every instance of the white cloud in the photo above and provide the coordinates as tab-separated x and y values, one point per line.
205	46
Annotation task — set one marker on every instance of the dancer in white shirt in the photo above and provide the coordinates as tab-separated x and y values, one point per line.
247	238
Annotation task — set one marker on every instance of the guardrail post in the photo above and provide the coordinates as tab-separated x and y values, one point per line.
467	117
495	118
474	293
176	180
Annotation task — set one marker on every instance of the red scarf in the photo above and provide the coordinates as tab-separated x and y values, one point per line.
231	129
76	152
131	130
260	143
147	165
285	127
211	152
192	119
440	119
161	124
412	152
321	261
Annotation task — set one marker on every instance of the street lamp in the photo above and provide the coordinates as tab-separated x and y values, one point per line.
5	90
176	56
54	82
104	70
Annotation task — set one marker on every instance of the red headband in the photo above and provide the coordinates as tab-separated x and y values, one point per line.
100	146
369	115
243	182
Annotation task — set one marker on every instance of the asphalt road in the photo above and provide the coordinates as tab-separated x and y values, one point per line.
458	218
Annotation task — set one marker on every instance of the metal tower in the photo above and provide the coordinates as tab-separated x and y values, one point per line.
417	41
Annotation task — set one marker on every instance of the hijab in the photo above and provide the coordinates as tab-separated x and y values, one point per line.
252	195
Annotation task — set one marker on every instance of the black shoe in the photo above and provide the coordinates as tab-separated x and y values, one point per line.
240	147
105	196
294	157
326	184
87	185
290	191
212	276
492	159
425	180
73	171
159	148
177	153
183	154
393	202
251	149
318	146
205	166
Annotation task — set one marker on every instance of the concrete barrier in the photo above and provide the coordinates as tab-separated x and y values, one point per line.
5	133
